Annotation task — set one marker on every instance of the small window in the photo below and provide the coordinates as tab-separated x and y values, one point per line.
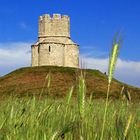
49	48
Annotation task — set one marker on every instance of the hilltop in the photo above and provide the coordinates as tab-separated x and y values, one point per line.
31	81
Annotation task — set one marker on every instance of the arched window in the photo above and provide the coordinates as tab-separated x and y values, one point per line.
49	48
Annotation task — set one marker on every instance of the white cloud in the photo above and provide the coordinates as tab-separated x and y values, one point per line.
126	71
14	55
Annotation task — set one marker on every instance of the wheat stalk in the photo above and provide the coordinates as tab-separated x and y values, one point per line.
70	127
70	95
68	100
112	61
111	69
48	80
127	126
81	96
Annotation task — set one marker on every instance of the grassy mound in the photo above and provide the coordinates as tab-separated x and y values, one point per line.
32	81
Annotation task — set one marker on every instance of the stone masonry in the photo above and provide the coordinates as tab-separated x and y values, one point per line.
54	46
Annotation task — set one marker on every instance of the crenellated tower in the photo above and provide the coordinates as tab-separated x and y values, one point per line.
58	26
54	45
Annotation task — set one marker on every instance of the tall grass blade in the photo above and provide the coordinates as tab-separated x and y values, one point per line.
127	126
112	61
68	100
119	128
81	96
48	81
69	95
70	127
111	69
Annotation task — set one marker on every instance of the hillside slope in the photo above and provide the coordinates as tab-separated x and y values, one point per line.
30	81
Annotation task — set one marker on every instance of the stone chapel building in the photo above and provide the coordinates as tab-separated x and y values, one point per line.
54	46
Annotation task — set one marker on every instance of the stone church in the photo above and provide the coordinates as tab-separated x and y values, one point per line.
54	46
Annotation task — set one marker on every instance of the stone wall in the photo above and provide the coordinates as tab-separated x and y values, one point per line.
34	55
51	54
54	26
72	56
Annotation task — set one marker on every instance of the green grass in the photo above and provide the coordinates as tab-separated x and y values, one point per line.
33	119
80	118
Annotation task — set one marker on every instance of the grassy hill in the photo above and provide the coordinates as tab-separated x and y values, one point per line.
32	81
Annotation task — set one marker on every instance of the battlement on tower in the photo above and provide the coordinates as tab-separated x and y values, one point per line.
55	16
57	25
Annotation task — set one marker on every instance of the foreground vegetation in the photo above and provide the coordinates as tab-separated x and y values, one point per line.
34	119
79	118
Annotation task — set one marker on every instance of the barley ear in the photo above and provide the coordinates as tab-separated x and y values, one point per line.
112	61
111	69
70	127
49	80
49	83
68	100
81	96
70	95
127	126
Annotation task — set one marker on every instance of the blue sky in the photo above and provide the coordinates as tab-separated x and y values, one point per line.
93	25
